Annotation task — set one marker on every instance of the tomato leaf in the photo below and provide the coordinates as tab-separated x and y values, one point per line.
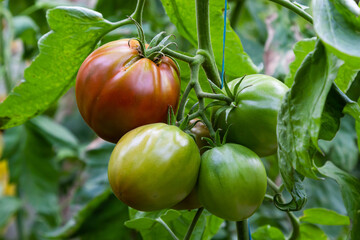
324	217
339	28
75	32
301	50
310	232
267	232
182	14
178	221
8	207
33	169
298	138
350	190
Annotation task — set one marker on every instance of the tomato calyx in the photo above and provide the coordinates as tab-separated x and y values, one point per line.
153	50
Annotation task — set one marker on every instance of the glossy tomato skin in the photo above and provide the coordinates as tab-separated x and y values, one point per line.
232	182
253	122
154	167
117	90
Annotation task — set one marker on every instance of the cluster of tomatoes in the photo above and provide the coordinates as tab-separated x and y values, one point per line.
124	98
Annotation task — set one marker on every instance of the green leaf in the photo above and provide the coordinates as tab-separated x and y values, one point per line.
345	77
102	218
342	150
8	207
350	191
33	170
268	232
337	23
75	32
311	232
182	14
301	50
299	119
324	217
178	221
53	132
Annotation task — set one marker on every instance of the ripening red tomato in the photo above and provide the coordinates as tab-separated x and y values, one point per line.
118	90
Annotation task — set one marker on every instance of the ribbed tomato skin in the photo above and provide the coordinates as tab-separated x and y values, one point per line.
117	90
154	167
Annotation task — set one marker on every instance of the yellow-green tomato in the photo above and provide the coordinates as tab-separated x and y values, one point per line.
154	167
232	182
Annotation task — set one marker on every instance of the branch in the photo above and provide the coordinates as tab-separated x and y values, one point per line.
299	11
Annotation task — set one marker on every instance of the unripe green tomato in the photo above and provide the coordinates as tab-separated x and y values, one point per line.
154	167
252	123
232	182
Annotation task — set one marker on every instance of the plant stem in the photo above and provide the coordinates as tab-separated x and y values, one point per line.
235	13
215	96
242	230
179	55
293	219
167	228
295	9
137	14
193	223
204	41
273	186
182	104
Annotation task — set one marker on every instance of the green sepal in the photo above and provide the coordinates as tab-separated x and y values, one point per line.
209	141
171	120
141	39
215	88
227	89
237	86
155	41
184	124
215	104
236	99
225	135
177	65
165	39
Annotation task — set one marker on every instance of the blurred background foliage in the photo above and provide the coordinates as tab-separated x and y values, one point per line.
53	169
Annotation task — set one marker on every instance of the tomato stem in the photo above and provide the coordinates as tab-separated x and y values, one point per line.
295	9
137	14
293	219
193	223
242	230
167	228
204	41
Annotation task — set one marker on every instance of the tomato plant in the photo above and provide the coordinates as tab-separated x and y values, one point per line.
117	89
253	118
273	79
154	167
232	182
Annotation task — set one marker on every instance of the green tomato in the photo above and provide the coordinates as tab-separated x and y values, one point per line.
232	182
154	167
252	123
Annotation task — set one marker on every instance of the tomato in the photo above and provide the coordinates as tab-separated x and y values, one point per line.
232	182
200	131
252	123
154	167
117	90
